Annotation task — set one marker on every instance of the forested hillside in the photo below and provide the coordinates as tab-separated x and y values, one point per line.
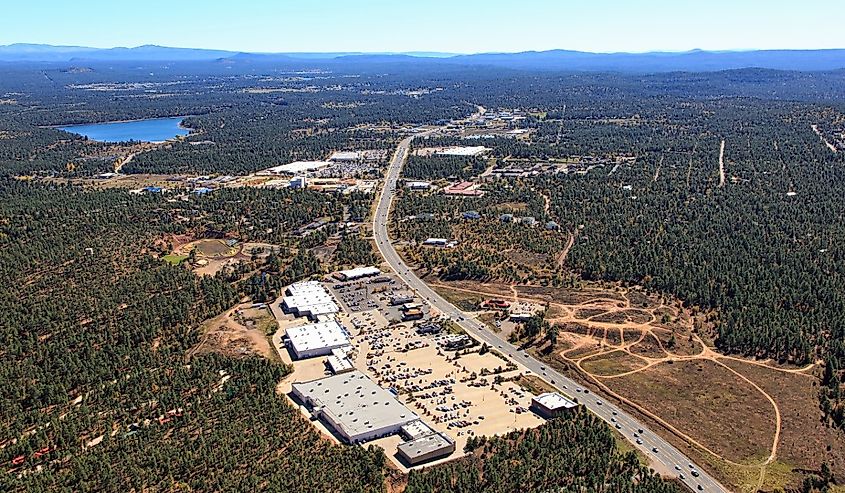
98	392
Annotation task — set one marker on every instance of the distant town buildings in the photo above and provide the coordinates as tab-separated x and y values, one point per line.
464	188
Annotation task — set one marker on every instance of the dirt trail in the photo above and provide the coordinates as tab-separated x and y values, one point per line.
594	336
824	140
689	168
657	170
562	257
722	164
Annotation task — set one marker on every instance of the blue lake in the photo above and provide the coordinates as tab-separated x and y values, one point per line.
152	130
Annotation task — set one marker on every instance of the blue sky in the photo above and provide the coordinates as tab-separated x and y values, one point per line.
464	26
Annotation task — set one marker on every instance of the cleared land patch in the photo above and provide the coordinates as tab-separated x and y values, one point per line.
805	441
700	398
612	363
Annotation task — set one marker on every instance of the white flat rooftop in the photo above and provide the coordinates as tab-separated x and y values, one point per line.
416	429
339	365
322	335
360	272
345	156
463	151
553	400
311	298
295	167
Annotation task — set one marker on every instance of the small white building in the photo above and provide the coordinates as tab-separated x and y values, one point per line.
552	405
317	339
357	273
440	242
436	242
418	185
298	182
415	429
338	362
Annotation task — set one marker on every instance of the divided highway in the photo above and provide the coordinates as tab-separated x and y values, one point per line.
656	448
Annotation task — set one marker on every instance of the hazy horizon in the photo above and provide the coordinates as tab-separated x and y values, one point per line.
380	26
410	52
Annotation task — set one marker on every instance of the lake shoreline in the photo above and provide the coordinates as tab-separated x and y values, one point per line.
133	120
146	130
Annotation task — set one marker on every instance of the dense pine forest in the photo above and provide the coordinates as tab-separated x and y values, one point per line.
99	394
760	245
574	453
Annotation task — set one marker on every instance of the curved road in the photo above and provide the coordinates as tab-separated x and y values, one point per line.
673	461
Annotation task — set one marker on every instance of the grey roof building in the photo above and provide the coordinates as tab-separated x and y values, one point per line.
354	406
426	448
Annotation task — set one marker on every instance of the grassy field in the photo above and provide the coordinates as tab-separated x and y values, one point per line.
174	259
612	363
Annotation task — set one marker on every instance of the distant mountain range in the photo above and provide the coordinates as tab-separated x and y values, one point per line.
556	60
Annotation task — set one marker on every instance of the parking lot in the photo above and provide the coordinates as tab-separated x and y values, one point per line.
439	374
462	395
370	294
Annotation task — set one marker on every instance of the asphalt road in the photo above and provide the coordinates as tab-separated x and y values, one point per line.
673	461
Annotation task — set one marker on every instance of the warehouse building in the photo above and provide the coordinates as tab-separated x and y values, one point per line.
309	299
357	273
354	406
552	405
426	448
319	339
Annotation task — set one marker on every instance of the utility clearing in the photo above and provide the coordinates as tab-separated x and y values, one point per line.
823	139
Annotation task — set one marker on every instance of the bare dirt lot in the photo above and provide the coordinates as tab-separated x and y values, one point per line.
805	441
241	331
612	363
